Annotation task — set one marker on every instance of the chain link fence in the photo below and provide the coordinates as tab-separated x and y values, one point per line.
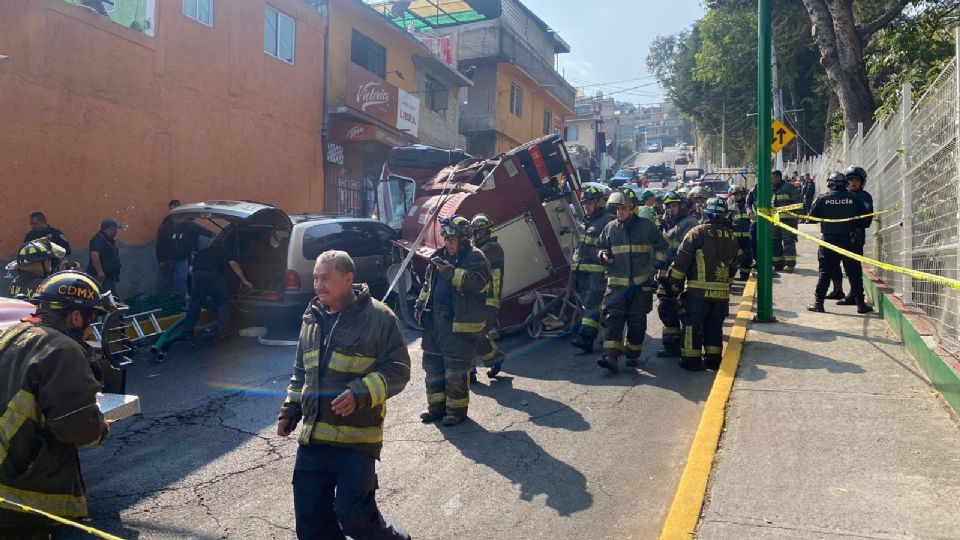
912	161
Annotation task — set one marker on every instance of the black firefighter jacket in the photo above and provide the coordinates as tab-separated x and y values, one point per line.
471	275
706	259
48	409
637	248
361	349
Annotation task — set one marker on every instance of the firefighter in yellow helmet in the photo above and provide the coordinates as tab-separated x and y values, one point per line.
48	403
35	261
482	227
452	308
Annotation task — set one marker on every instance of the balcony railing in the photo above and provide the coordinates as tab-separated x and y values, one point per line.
137	15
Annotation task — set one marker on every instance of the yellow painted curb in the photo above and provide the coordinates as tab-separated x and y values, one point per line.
684	513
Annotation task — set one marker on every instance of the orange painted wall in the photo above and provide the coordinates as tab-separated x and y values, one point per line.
514	130
100	121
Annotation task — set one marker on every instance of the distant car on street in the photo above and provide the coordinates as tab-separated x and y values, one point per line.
660	172
655	147
681	158
623	176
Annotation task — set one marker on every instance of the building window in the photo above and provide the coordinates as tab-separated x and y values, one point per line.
572	134
547	121
435	95
199	10
368	54
279	34
516	101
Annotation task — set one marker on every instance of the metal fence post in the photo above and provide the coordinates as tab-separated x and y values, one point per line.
906	200
956	134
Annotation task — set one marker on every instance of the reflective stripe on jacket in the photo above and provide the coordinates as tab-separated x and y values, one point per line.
585	256
637	248
361	349
494	253
706	258
48	409
740	219
470	278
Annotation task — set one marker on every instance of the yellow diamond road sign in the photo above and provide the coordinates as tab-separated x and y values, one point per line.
781	136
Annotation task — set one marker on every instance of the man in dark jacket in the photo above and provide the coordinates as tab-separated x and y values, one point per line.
676	226
453	309
740	219
350	360
490	356
704	266
856	182
632	248
784	241
176	241
40	229
588	273
836	208
48	404
105	256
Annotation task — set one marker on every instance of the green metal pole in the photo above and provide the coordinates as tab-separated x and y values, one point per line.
764	141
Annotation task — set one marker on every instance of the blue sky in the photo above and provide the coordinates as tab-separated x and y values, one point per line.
610	40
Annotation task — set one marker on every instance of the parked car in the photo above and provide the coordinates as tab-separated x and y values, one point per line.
660	171
655	147
277	253
622	177
681	158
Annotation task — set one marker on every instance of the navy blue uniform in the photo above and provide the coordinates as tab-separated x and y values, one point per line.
839	204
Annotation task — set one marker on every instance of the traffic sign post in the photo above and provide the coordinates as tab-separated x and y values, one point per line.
764	144
782	135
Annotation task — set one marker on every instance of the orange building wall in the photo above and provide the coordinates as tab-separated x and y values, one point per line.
514	131
100	121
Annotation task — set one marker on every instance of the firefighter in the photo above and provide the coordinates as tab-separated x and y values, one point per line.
481	225
453	309
48	403
838	203
633	249
677	224
702	269
740	221
784	241
588	273
350	359
856	181
35	261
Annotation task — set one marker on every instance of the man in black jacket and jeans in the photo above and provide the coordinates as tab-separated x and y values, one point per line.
176	242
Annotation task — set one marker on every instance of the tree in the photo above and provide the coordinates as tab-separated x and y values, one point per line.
841	42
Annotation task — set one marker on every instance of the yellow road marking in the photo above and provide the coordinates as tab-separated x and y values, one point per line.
684	512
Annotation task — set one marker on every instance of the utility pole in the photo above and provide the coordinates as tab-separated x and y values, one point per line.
777	95
764	141
723	135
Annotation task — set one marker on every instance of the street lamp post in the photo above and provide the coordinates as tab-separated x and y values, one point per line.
616	140
764	140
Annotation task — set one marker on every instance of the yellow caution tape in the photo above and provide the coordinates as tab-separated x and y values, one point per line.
29	510
933	278
797	206
827	220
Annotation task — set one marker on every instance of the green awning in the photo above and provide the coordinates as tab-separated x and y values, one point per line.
423	15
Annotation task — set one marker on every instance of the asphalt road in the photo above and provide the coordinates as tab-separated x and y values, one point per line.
556	448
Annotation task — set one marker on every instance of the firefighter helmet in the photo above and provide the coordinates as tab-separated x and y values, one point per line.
456	225
629	196
37	251
856	171
672	198
715	208
72	289
700	191
646	194
480	222
591	194
737	188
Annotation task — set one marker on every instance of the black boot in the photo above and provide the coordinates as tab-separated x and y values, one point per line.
495	370
837	293
691	364
817	306
582	343
668	352
611	363
712	362
863	307
427	417
744	275
848	301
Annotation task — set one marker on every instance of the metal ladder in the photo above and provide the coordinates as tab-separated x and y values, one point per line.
138	322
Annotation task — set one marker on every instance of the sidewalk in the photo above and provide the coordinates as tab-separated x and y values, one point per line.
831	431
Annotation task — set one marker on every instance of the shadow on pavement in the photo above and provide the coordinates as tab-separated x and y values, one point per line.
781	356
543	411
518	458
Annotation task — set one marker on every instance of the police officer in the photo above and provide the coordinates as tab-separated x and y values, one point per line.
784	241
808	190
740	221
588	273
705	263
453	309
676	226
350	360
856	181
838	204
482	226
35	261
48	403
632	248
